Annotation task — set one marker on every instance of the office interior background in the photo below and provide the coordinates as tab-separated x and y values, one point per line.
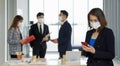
77	9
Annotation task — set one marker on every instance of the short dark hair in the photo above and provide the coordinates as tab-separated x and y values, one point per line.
64	13
40	14
100	16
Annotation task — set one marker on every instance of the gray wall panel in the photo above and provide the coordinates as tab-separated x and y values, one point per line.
2	31
112	12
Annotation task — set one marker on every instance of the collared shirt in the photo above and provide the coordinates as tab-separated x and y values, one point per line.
63	22
42	27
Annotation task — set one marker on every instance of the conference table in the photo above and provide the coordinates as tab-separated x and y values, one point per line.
44	62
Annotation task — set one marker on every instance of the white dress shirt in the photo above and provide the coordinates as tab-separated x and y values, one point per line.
42	27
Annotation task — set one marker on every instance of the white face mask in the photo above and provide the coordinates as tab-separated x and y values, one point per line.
20	24
60	20
95	25
41	20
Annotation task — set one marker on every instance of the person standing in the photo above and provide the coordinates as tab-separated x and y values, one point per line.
100	50
39	30
15	38
64	39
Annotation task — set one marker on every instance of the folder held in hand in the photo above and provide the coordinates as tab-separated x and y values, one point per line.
29	39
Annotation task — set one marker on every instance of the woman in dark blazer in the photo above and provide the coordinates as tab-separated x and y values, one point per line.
100	39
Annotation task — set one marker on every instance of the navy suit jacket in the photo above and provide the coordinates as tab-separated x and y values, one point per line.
64	39
35	31
104	46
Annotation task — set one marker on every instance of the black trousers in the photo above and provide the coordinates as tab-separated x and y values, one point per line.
13	56
39	52
61	54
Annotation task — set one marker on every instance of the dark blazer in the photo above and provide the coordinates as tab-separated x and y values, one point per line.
64	39
35	31
104	46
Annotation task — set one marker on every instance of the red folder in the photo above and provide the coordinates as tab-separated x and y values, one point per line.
29	39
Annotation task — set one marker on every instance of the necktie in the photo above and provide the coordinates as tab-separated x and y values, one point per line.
40	29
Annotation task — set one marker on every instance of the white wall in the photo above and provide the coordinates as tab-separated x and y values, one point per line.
2	30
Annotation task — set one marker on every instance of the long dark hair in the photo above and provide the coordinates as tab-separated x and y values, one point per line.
15	21
100	16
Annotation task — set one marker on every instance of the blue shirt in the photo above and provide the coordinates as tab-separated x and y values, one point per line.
92	42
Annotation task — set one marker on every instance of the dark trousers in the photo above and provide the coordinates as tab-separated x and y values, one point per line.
13	56
61	54
39	52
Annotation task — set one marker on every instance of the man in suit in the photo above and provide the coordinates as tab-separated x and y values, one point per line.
39	30
64	39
